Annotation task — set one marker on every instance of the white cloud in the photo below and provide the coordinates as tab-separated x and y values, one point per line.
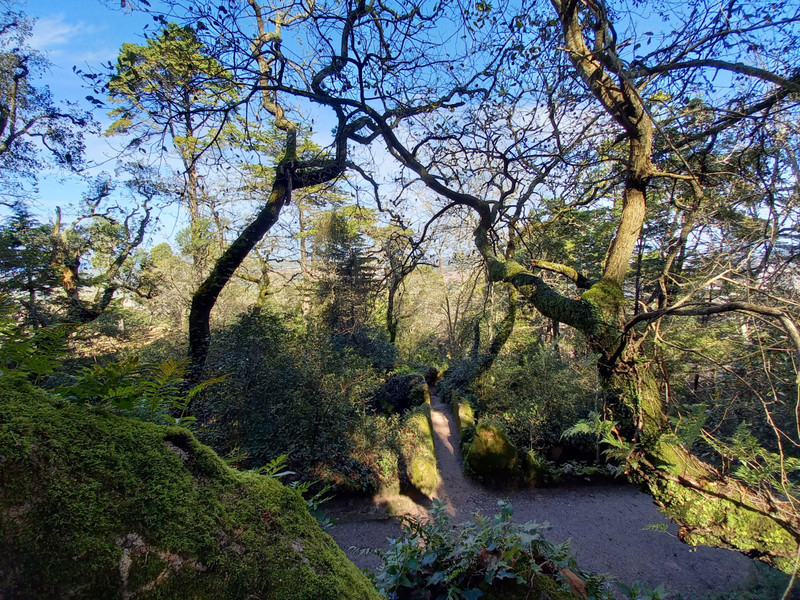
51	32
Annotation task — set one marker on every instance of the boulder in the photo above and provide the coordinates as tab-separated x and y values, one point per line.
491	457
395	396
95	505
465	417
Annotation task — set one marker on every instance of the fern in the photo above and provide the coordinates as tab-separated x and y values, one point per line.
689	427
25	353
754	465
593	424
149	391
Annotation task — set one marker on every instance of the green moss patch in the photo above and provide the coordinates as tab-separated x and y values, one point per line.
714	521
94	505
464	414
491	457
418	453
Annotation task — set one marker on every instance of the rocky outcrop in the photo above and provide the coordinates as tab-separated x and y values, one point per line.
94	505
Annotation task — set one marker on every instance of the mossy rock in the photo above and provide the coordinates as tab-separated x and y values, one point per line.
465	416
531	468
94	505
491	457
419	456
396	396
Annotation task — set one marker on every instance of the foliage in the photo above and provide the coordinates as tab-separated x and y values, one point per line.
537	393
347	276
637	591
28	354
25	269
756	466
436	559
274	468
36	133
604	431
395	396
369	343
149	391
289	393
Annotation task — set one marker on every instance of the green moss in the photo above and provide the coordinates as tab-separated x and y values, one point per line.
531	467
504	270
491	456
713	518
93	505
420	395
418	452
465	416
606	295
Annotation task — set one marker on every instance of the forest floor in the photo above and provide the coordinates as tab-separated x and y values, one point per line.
606	524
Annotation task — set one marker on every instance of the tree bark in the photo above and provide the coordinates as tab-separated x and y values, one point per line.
206	295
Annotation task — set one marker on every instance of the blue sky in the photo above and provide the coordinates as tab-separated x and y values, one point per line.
83	34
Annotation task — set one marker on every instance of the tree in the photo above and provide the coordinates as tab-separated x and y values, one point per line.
34	130
108	235
264	71
25	264
173	88
347	279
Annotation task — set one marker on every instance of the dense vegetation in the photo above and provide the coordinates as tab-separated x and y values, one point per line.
581	218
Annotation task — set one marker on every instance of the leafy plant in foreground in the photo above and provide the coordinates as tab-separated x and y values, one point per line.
275	469
26	353
434	559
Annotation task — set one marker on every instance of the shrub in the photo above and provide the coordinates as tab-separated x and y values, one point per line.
290	393
484	558
538	395
395	396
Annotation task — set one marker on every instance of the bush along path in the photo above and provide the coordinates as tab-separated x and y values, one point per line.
613	529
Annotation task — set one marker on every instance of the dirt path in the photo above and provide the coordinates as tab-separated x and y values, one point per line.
605	524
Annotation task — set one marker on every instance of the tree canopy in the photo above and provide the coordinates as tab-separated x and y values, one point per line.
624	171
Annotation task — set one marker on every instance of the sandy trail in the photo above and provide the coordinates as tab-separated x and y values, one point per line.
605	524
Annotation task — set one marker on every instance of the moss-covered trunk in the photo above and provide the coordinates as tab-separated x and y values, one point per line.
711	507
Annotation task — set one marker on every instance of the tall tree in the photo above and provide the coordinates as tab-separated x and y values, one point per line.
347	274
172	91
513	166
25	267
